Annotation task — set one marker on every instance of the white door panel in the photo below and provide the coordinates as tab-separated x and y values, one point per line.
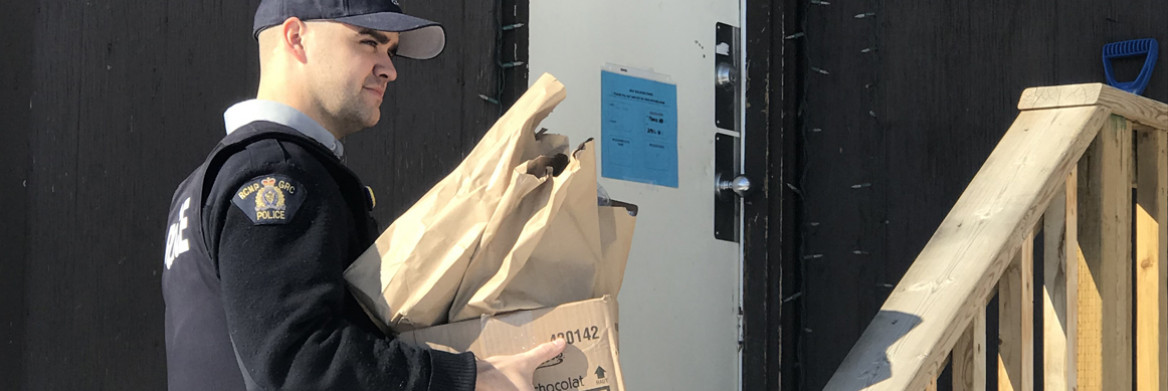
680	298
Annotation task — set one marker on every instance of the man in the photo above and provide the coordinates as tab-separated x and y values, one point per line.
260	234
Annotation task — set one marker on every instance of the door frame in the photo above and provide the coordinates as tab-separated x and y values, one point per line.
771	269
770	282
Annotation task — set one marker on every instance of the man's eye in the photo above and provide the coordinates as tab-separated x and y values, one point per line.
369	42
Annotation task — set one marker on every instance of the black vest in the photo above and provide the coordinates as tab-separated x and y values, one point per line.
199	351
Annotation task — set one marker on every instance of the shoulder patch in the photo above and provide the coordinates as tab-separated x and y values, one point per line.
270	199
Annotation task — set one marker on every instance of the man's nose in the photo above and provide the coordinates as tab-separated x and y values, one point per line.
385	69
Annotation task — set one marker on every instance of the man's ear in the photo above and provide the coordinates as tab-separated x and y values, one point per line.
293	38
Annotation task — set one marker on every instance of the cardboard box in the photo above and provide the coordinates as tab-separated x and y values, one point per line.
590	362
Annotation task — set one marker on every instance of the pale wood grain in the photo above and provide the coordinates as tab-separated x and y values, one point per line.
1016	321
1060	286
932	385
1151	273
1134	107
1104	333
969	364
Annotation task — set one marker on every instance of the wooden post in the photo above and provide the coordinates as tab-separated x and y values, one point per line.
1060	288
969	366
933	384
1016	321
1104	334
1151	251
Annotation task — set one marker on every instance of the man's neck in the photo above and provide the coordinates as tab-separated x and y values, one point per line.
301	103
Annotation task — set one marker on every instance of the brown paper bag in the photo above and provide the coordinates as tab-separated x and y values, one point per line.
552	249
617	222
409	277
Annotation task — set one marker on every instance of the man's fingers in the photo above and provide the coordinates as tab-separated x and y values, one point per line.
546	351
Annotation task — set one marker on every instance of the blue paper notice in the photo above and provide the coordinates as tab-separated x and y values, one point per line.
638	129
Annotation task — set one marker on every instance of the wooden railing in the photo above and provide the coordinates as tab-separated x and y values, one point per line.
1064	170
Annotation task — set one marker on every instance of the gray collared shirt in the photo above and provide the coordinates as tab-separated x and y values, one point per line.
252	110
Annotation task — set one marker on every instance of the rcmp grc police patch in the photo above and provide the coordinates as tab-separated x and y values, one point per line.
269	199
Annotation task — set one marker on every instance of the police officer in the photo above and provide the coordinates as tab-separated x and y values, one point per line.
260	234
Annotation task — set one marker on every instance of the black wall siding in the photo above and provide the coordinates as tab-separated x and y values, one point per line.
15	97
107	106
770	210
55	309
842	180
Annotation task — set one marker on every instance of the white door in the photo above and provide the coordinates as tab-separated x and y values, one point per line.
679	318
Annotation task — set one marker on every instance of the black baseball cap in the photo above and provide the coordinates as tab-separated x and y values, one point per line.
420	38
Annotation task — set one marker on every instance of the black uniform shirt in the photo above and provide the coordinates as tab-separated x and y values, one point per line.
259	237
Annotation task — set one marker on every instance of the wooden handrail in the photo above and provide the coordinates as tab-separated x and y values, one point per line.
984	247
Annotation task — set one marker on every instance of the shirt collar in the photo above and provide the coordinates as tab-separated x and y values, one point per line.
252	110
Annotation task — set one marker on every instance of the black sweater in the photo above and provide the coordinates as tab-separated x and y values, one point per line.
261	264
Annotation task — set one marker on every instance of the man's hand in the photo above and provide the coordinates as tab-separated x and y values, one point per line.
513	373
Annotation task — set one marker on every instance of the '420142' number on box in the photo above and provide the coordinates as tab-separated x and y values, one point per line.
571	336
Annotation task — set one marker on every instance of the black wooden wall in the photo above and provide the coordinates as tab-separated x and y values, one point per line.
106	105
902	103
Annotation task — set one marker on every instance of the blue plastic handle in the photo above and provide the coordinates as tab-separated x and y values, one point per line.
1135	47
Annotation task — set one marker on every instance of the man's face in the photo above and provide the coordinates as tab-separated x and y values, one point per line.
349	68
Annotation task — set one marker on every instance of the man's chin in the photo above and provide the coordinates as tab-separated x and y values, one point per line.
369	118
373	120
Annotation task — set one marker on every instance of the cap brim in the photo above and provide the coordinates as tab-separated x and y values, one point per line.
420	39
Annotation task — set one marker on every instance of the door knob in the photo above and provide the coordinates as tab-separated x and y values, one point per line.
725	75
740	185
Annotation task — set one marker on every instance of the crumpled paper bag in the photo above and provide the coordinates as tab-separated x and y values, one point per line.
485	237
549	249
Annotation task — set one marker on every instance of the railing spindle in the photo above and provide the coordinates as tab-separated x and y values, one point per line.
1151	273
969	366
1104	334
1016	321
1060	287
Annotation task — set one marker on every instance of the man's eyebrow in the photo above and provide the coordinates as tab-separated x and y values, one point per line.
379	36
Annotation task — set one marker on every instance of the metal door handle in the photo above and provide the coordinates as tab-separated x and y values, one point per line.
725	75
740	185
